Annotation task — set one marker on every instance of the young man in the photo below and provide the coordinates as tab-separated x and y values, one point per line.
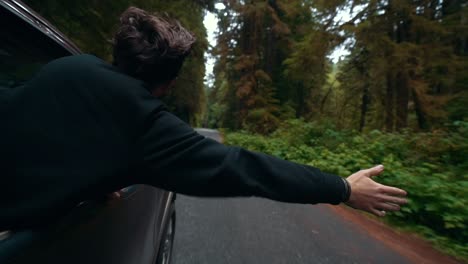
93	128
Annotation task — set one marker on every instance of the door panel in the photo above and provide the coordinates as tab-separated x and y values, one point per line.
113	231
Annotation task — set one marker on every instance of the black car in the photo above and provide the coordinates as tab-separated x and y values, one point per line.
136	228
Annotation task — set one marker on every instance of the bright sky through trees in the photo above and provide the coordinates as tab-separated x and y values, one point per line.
211	23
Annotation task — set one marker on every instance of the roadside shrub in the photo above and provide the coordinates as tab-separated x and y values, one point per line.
431	166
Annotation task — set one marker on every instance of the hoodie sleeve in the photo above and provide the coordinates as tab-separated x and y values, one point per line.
178	159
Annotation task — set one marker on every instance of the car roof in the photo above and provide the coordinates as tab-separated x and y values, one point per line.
34	19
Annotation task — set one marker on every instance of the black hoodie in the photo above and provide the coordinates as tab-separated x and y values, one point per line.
81	128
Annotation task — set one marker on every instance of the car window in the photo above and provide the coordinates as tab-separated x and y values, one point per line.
23	49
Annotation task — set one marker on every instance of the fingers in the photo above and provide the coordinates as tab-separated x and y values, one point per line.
387	204
377	212
389	207
374	171
392	191
394	200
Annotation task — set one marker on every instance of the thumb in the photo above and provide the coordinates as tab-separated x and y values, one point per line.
374	171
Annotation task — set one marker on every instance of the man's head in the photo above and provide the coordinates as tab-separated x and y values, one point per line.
151	48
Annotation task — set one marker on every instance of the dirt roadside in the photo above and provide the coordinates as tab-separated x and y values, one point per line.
414	248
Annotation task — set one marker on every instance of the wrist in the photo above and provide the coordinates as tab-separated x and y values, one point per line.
347	191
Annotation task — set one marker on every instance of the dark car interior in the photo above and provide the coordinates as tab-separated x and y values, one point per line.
23	50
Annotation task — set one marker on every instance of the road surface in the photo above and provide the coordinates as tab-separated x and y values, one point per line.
254	230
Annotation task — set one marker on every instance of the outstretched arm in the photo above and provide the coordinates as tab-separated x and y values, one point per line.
179	159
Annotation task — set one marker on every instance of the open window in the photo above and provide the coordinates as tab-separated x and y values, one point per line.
23	49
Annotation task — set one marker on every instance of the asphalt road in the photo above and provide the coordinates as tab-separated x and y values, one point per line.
211	133
255	230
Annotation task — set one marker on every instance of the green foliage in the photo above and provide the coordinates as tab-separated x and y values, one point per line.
431	166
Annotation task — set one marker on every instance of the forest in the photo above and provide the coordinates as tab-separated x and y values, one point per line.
398	97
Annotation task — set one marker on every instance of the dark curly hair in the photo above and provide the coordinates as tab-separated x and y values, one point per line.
150	47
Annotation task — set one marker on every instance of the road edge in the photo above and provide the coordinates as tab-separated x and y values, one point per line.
413	247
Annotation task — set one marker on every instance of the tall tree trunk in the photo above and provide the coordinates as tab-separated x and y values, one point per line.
301	104
270	50
421	116
389	102
325	98
401	78
364	106
390	96
402	97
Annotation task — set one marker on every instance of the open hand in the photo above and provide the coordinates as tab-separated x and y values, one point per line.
373	197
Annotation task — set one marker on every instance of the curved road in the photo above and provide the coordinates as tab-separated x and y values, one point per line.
255	230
